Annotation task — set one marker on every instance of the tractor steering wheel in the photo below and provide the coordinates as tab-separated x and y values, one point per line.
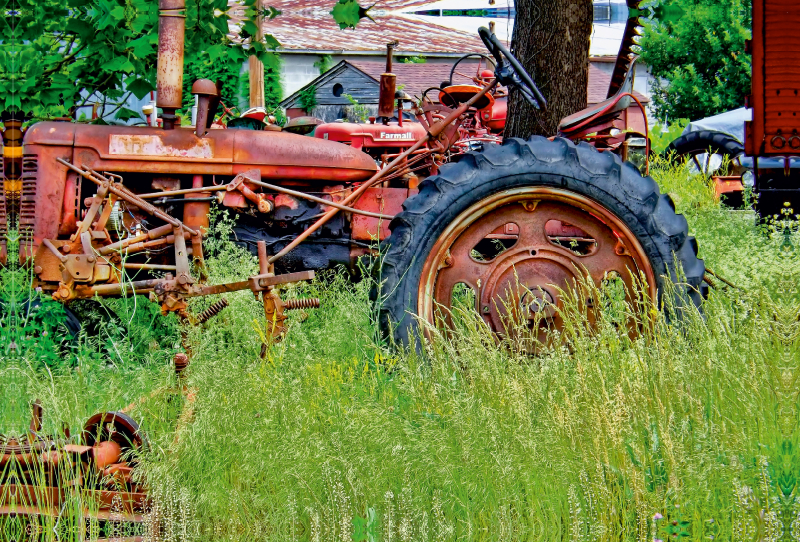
510	72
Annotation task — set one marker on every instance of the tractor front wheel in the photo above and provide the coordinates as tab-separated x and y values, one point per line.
513	227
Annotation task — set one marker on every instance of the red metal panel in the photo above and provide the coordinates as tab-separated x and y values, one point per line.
775	98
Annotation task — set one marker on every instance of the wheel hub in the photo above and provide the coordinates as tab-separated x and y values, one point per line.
519	250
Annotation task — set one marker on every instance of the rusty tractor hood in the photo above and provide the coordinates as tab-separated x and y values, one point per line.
279	155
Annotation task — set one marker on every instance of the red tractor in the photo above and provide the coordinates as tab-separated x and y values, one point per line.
112	210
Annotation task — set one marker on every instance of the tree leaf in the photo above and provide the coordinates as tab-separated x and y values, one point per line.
215	51
271	42
141	47
125	114
139	87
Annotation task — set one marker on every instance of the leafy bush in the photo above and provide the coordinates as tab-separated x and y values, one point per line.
57	55
308	99
662	135
696	50
356	112
235	85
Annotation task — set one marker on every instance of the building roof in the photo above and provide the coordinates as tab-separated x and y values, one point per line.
416	78
599	81
305	25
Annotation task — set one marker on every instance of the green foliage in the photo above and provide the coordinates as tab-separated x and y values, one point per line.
308	98
661	136
699	56
348	13
273	92
223	69
356	111
324	63
418	59
56	54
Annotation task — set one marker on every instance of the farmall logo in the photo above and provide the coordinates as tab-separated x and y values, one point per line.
405	135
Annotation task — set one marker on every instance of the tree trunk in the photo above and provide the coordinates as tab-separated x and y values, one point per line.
551	40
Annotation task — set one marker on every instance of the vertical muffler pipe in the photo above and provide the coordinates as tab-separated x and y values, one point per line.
169	83
388	86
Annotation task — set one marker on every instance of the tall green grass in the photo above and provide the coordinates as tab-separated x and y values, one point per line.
689	431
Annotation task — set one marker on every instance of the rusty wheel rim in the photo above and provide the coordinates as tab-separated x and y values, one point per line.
525	278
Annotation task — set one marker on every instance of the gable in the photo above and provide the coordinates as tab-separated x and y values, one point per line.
344	78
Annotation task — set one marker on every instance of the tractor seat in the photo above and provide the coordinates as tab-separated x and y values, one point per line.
463	93
617	102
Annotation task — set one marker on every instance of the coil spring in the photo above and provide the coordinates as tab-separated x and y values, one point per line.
212	311
308	303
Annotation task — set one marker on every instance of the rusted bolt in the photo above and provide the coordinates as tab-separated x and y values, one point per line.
448	261
181	361
65	249
265	205
90	259
38	269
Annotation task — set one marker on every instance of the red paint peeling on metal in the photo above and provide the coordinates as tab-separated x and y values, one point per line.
387	201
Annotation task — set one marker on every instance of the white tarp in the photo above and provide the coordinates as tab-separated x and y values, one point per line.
730	122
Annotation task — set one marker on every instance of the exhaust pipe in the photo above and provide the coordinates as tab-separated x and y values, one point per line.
388	86
169	83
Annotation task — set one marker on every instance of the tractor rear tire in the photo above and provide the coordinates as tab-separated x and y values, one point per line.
557	166
703	141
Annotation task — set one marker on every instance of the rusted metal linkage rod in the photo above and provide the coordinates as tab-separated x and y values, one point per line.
319	200
153	234
258	282
728	283
155	195
274	188
149	266
128	196
434	132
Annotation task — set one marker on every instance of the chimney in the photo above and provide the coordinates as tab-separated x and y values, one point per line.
171	26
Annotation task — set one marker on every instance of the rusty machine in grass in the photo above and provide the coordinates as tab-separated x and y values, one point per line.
82	486
115	210
118	210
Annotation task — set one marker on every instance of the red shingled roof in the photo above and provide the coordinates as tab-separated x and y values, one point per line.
418	77
308	24
599	82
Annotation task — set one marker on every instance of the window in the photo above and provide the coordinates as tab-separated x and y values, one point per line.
338	89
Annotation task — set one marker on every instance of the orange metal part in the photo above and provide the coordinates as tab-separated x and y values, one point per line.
727	185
